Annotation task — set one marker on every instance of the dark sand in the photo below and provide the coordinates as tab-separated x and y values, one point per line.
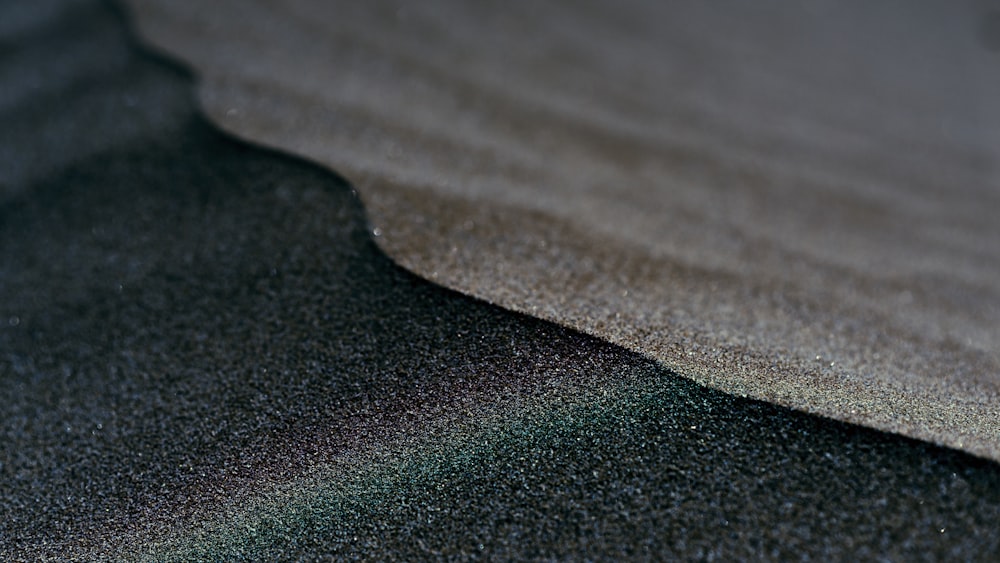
204	356
789	201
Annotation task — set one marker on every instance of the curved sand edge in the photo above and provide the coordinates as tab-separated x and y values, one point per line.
830	268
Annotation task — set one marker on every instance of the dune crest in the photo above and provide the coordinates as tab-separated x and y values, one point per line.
791	203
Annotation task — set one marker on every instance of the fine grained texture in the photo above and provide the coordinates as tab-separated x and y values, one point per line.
791	201
204	357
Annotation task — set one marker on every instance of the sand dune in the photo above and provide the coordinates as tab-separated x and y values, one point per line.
795	203
204	356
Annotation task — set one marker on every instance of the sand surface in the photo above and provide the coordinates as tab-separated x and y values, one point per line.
205	357
795	203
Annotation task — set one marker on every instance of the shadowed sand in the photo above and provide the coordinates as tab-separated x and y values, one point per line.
795	203
205	357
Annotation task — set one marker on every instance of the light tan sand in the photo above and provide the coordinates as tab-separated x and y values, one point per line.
798	203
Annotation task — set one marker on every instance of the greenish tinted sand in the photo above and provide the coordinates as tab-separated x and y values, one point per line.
374	479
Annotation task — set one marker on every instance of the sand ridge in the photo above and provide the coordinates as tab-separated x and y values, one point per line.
787	202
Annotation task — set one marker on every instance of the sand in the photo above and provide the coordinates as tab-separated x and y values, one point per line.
791	203
205	357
